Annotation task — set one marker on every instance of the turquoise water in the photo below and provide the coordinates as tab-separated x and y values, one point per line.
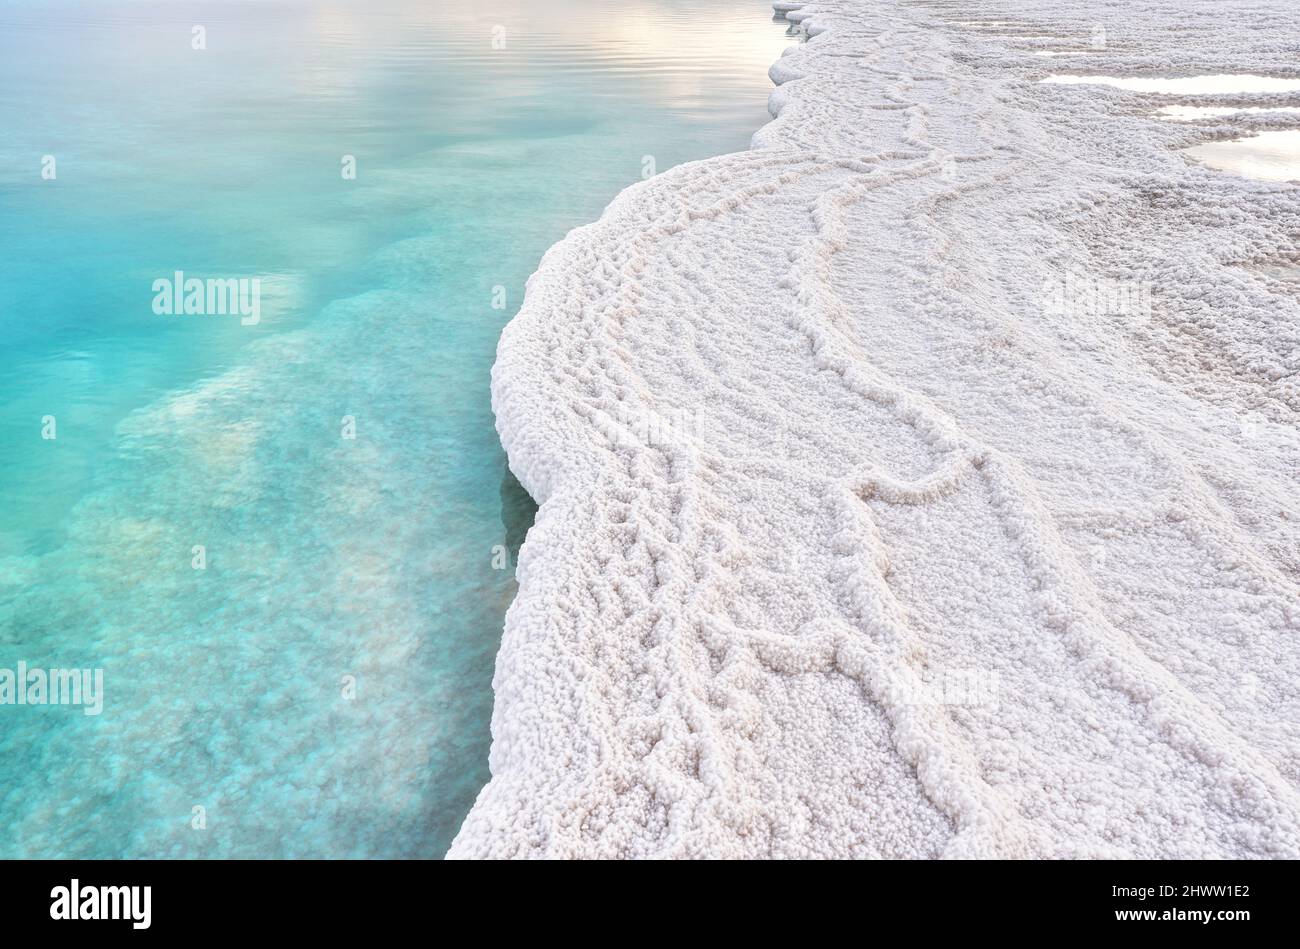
322	687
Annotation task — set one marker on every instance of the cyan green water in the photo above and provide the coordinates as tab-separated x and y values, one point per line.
323	686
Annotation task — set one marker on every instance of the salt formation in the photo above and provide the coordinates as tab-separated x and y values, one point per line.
932	558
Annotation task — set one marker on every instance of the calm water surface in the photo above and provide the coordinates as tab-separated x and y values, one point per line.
323	686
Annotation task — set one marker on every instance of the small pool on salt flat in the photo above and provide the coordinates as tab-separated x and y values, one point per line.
1186	85
1268	156
1287	272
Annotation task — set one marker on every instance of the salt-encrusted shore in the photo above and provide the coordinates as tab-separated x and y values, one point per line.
922	482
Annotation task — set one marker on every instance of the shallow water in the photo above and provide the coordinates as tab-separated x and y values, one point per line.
1267	156
1288	273
321	687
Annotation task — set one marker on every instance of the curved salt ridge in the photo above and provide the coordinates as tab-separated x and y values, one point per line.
901	473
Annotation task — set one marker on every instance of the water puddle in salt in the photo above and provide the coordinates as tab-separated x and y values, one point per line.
1268	156
1288	273
1187	85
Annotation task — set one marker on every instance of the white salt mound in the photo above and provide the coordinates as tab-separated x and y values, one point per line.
922	482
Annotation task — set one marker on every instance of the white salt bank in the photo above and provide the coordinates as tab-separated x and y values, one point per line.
917	483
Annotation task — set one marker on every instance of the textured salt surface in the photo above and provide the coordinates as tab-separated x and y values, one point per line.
1188	85
865	531
1188	112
